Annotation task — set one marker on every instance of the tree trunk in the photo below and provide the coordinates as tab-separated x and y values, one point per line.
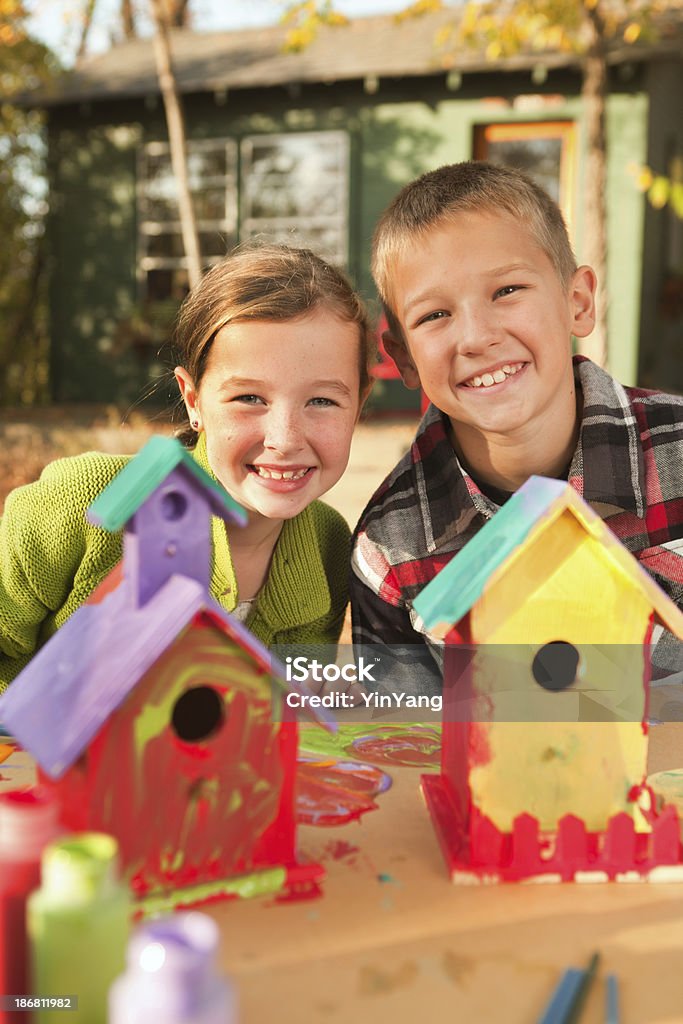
128	19
176	138
178	13
594	97
88	12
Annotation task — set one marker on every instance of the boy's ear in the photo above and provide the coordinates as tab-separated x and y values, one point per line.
582	296
401	356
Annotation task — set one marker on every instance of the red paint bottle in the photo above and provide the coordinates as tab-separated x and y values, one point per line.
28	821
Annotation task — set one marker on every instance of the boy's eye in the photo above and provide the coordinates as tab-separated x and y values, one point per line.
507	289
321	403
438	314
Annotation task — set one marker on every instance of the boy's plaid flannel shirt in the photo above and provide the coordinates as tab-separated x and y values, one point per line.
628	465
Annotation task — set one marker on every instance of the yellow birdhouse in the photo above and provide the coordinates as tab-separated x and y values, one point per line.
548	622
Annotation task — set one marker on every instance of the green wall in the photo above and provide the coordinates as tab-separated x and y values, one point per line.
661	350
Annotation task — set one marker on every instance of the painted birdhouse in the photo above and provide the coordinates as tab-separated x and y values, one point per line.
158	717
547	621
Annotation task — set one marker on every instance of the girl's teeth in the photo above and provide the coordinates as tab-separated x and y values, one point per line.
287	474
499	376
487	380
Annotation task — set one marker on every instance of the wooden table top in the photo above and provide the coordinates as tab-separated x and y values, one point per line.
391	939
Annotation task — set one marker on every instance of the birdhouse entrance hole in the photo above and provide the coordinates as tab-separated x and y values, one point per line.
198	714
173	505
555	665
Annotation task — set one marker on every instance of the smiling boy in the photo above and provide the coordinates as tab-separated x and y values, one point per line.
482	295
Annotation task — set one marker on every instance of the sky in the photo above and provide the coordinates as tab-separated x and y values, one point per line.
56	22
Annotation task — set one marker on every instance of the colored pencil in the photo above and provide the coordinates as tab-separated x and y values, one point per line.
570	994
612	1000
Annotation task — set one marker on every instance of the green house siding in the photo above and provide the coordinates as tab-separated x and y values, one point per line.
406	128
92	233
661	350
627	134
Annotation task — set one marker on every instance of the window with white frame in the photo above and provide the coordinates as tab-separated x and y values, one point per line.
294	189
212	171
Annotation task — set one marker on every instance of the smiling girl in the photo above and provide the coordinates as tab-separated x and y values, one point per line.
275	354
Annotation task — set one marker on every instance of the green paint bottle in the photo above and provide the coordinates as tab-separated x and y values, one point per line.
78	923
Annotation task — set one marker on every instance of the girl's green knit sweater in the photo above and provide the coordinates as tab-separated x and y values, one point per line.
51	560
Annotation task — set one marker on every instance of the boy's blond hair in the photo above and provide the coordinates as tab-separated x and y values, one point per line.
439	195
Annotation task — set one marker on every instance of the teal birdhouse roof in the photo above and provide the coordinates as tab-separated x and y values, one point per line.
443	598
535	506
159	458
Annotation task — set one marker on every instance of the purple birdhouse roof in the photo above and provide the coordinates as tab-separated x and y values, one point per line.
58	703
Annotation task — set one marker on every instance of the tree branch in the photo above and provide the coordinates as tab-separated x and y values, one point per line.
176	138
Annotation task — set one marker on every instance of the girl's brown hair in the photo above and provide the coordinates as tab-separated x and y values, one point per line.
264	281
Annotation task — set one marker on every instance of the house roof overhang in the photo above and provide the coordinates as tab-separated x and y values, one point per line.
372	47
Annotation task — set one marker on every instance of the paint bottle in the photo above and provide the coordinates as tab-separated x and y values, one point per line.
78	926
171	975
28	822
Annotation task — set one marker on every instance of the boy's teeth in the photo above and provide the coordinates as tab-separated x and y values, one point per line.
497	377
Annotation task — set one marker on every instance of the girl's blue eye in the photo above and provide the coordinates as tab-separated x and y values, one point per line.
247	399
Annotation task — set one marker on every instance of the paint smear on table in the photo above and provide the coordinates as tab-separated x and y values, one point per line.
331	792
374	981
402	744
336	849
339	849
456	967
303	893
417	746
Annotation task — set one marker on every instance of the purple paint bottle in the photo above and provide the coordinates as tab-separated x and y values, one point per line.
171	975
